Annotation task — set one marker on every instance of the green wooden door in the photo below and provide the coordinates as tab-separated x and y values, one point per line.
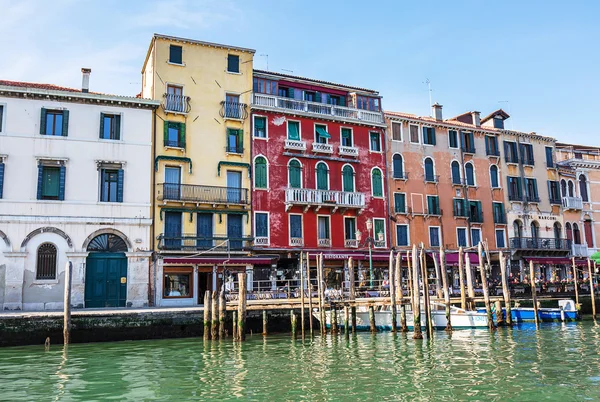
106	280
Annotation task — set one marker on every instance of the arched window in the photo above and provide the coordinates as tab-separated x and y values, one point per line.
571	189
348	178
494	176
260	172
295	174
518	228
377	183
569	231
46	261
576	234
455	168
563	188
429	172
535	229
587	231
470	174
557	231
583	189
398	168
107	243
322	176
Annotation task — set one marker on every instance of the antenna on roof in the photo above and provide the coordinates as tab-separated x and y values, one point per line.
430	100
289	71
267	56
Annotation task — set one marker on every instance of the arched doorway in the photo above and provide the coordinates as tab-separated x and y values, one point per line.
106	272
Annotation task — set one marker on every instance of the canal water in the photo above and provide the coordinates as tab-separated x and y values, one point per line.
558	362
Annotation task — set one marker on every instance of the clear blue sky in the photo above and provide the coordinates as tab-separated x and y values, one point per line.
541	56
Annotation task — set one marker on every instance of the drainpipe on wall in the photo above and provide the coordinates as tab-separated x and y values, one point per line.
387	181
152	262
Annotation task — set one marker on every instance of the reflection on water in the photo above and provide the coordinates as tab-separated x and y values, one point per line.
558	362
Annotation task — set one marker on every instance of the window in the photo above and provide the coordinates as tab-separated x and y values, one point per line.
111	186
322	176
349	228
51	182
1	177
453	138
475	212
557	231
233	63
402	235
553	192
470	174
549	157
515	191
175	54
367	103
527	154
535	230
475	236
396	131
346	137
433	205
518	228
467	142
578	155
293	130
461	237
348	178
233	108
531	191
110	126
494	176
54	122
588	232
434	236
375	141
491	146
377	183
263	86
500	238
498	123
323	227
414	133
335	100
174	135
285	92
178	283
583	188
46	262
499	215
569	231
235	141
398	168
400	203
510	152
261	225
310	96
294	174
296	227
455	170
260	127
321	134
1	116
429	135
576	234
571	189
379	232
429	171
260	172
460	208
563	187
175	102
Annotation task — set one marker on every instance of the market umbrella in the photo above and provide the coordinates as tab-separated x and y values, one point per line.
596	257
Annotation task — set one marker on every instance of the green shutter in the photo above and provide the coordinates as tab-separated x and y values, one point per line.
432	135
318	97
118	127
294	172
43	121
260	173
377	183
120	180
322	177
166	133
65	125
101	125
472	141
259	123
399	203
378	227
182	135
348	179
293	131
290	92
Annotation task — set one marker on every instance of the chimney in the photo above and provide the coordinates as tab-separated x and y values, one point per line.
85	81
476	118
437	111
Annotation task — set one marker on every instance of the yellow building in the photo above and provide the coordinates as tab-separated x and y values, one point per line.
202	175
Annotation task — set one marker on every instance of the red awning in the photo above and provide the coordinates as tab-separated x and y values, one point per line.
452	258
221	260
556	260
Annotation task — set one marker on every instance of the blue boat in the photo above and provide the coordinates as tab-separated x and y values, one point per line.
565	312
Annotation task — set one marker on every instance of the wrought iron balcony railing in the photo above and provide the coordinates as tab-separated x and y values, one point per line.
234	149
575	203
348	151
400	175
234	110
515	197
219	243
492	152
432	178
307	196
176	103
536	243
206	194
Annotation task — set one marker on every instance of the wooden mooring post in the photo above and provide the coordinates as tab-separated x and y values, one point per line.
310	305
534	295
470	289
293	322
67	304
400	293
446	290
416	298
264	322
577	305
426	303
322	315
333	317
438	279
484	285
242	307
302	306
461	278
591	278
372	319
207	316
392	279
351	296
222	311
234	328
346	321
214	321
505	290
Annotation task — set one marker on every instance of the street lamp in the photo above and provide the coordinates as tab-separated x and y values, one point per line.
370	241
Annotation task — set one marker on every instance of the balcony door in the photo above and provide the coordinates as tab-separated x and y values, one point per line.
204	231
172	188
172	230
232	106
234	187
234	231
175	98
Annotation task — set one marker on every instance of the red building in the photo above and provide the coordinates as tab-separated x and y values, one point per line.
319	173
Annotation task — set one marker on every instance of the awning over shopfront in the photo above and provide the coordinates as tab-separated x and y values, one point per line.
357	256
556	260
220	260
452	258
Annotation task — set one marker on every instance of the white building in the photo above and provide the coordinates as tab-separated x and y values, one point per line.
75	185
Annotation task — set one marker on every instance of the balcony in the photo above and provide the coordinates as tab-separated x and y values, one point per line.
351	243
348	151
218	243
500	219
515	197
319	198
492	152
234	150
234	110
324	242
322	148
532	243
261	241
296	242
277	103
432	178
579	250
468	149
295	145
532	198
203	194
476	218
400	175
575	203
379	243
176	103
511	159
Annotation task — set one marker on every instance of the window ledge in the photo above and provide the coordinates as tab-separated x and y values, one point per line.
109	140
109	203
375	152
176	64
232	72
175	148
260	138
42	282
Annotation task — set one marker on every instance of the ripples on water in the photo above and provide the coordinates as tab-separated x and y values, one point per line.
558	362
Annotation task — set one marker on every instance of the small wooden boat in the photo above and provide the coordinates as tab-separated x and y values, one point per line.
566	311
460	319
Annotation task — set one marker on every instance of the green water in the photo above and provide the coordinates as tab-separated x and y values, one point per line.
558	362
